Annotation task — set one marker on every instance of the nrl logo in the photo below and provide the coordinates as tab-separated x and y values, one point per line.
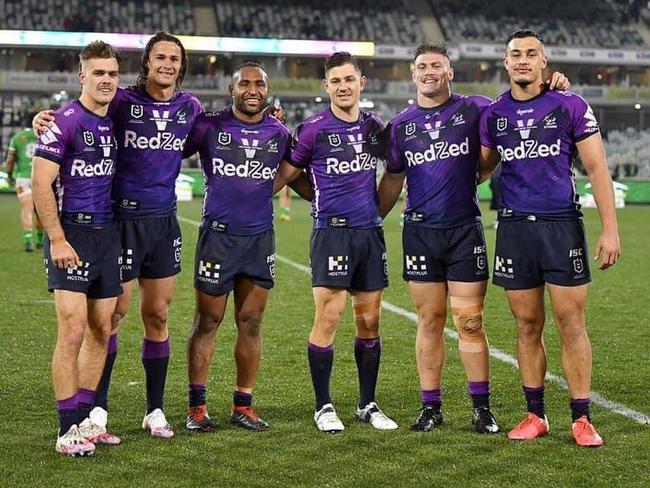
224	138
502	123
578	265
137	111
89	139
410	129
334	139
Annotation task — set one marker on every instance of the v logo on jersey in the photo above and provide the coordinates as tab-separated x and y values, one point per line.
356	140
250	147
524	130
434	130
50	136
160	118
106	144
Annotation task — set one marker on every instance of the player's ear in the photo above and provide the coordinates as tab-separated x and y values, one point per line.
231	89
451	73
325	84
362	81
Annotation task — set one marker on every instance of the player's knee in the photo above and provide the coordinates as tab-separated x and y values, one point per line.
207	322
73	335
431	321
249	324
155	314
468	319
366	314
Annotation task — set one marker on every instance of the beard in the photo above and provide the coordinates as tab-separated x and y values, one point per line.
242	107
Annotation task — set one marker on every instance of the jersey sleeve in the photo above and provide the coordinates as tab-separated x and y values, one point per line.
117	99
52	144
395	162
302	146
486	138
195	137
583	120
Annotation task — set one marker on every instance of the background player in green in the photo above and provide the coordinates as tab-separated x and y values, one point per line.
19	169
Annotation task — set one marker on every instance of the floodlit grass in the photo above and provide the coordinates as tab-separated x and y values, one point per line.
293	453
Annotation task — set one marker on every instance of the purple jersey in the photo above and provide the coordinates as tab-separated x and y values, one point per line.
341	159
150	136
438	149
83	145
536	140
239	162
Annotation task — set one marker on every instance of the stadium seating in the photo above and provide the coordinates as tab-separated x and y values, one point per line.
143	16
628	152
589	24
391	21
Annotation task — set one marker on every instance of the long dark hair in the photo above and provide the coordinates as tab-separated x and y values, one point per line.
144	68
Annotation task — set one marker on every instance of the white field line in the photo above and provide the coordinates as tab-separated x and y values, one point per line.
596	398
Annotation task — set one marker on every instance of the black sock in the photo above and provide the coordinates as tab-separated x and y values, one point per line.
535	400
242	399
155	359
101	396
367	353
197	395
68	413
579	408
86	399
320	365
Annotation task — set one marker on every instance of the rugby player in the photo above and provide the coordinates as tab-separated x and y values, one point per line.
340	148
536	135
240	149
434	146
19	169
82	247
152	121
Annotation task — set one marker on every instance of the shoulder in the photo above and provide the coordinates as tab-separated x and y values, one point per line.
567	98
277	125
373	119
479	101
311	125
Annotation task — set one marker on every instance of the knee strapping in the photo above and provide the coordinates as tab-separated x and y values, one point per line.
468	319
366	311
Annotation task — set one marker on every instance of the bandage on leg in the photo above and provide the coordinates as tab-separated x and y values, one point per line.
468	319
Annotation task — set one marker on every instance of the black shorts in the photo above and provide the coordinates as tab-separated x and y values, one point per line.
354	259
436	255
151	247
221	258
530	253
99	274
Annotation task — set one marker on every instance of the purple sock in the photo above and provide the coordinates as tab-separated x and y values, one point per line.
101	397
242	399
431	398
580	408
321	360
480	393
155	359
67	410
367	353
535	400
197	395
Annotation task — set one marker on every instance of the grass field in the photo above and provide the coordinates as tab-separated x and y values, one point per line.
293	453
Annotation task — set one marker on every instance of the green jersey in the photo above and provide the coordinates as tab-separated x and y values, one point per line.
23	145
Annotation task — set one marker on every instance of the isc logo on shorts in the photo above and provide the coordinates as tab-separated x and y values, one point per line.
503	267
416	265
79	273
208	272
337	265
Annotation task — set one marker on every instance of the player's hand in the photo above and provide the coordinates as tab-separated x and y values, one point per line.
608	249
63	254
277	112
558	81
42	121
